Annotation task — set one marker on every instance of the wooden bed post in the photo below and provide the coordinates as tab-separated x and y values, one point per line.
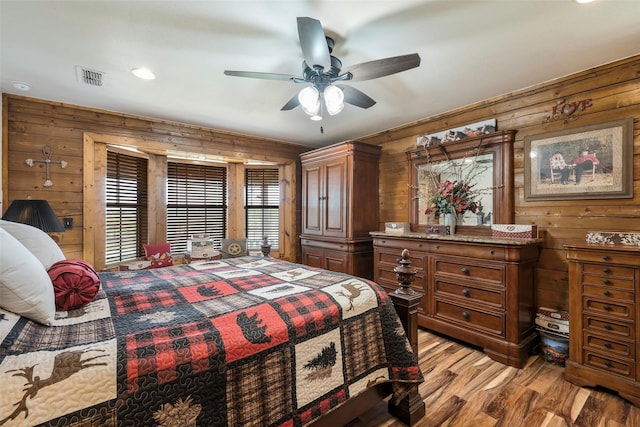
406	300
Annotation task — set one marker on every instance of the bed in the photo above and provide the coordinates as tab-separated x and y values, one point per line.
239	341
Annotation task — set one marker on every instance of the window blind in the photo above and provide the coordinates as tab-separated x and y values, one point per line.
262	207
196	203
126	205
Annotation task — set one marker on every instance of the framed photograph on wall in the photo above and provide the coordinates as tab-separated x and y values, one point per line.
591	162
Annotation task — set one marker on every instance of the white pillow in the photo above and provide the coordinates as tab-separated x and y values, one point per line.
37	241
25	286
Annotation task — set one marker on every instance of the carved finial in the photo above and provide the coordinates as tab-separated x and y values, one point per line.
405	274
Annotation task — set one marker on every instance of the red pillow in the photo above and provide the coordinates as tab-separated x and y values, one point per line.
159	254
75	283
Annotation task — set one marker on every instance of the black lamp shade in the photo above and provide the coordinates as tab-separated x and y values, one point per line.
37	213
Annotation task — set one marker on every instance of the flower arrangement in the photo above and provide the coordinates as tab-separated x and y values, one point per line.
453	197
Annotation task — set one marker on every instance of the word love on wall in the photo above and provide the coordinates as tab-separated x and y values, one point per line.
566	110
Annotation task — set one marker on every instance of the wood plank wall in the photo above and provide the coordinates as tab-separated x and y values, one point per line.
614	90
30	123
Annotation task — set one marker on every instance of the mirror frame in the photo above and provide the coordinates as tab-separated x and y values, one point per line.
500	144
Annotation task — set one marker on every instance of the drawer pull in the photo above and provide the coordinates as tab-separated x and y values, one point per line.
606	258
607	308
437	246
464	270
607	345
607	270
466	292
607	363
607	293
419	245
607	327
606	281
492	252
465	315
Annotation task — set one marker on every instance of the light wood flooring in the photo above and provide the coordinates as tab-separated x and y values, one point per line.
464	387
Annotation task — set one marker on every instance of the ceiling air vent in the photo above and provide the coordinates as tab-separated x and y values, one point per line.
90	77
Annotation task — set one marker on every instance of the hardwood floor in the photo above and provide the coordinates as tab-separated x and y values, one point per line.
464	387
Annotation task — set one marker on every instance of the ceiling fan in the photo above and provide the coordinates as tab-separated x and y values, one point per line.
321	71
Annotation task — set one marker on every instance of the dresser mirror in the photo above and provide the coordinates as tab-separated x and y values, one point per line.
491	158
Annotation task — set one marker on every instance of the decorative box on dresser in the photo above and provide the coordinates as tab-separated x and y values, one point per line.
604	318
478	289
340	207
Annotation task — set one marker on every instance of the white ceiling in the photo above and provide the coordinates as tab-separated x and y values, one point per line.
470	50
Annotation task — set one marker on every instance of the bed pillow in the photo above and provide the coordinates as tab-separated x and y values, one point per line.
159	254
25	287
37	241
75	283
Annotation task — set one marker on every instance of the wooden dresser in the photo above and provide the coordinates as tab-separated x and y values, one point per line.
477	289
340	207
604	318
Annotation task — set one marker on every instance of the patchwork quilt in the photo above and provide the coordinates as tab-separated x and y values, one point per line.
235	342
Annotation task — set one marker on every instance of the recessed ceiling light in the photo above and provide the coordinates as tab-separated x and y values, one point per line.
584	1
143	73
316	118
21	86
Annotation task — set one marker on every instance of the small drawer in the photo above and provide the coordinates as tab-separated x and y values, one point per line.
615	282
391	258
470	318
625	368
607	308
604	257
608	270
493	272
470	294
606	293
400	244
608	327
609	346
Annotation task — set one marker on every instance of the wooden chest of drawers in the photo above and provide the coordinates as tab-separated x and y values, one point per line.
477	289
604	321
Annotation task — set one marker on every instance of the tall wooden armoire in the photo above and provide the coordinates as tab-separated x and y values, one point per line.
340	207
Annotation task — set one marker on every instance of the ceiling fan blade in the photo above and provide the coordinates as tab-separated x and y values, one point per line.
383	67
313	43
291	104
355	97
258	75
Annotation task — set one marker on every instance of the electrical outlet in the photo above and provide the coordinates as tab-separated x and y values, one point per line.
68	223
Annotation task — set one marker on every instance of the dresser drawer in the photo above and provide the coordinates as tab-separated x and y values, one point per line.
389	259
615	282
411	245
607	308
468	251
493	272
606	293
608	327
604	257
468	317
471	295
625	368
609	270
609	346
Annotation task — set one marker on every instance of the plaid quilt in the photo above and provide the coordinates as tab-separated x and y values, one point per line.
235	342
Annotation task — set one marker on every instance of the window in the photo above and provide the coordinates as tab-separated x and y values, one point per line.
196	203
262	207
126	207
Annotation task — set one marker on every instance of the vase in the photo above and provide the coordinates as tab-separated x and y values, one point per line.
450	222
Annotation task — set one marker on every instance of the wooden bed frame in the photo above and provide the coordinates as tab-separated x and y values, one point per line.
411	408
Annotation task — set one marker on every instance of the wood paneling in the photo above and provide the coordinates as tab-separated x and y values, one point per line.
79	135
614	90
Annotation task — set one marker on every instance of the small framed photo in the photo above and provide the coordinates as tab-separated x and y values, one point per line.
591	162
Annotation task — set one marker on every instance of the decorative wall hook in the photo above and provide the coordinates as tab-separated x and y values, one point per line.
47	151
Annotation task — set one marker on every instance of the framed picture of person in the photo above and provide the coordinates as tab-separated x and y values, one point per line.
591	162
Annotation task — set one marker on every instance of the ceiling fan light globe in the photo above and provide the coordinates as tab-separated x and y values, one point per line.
333	99
309	98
